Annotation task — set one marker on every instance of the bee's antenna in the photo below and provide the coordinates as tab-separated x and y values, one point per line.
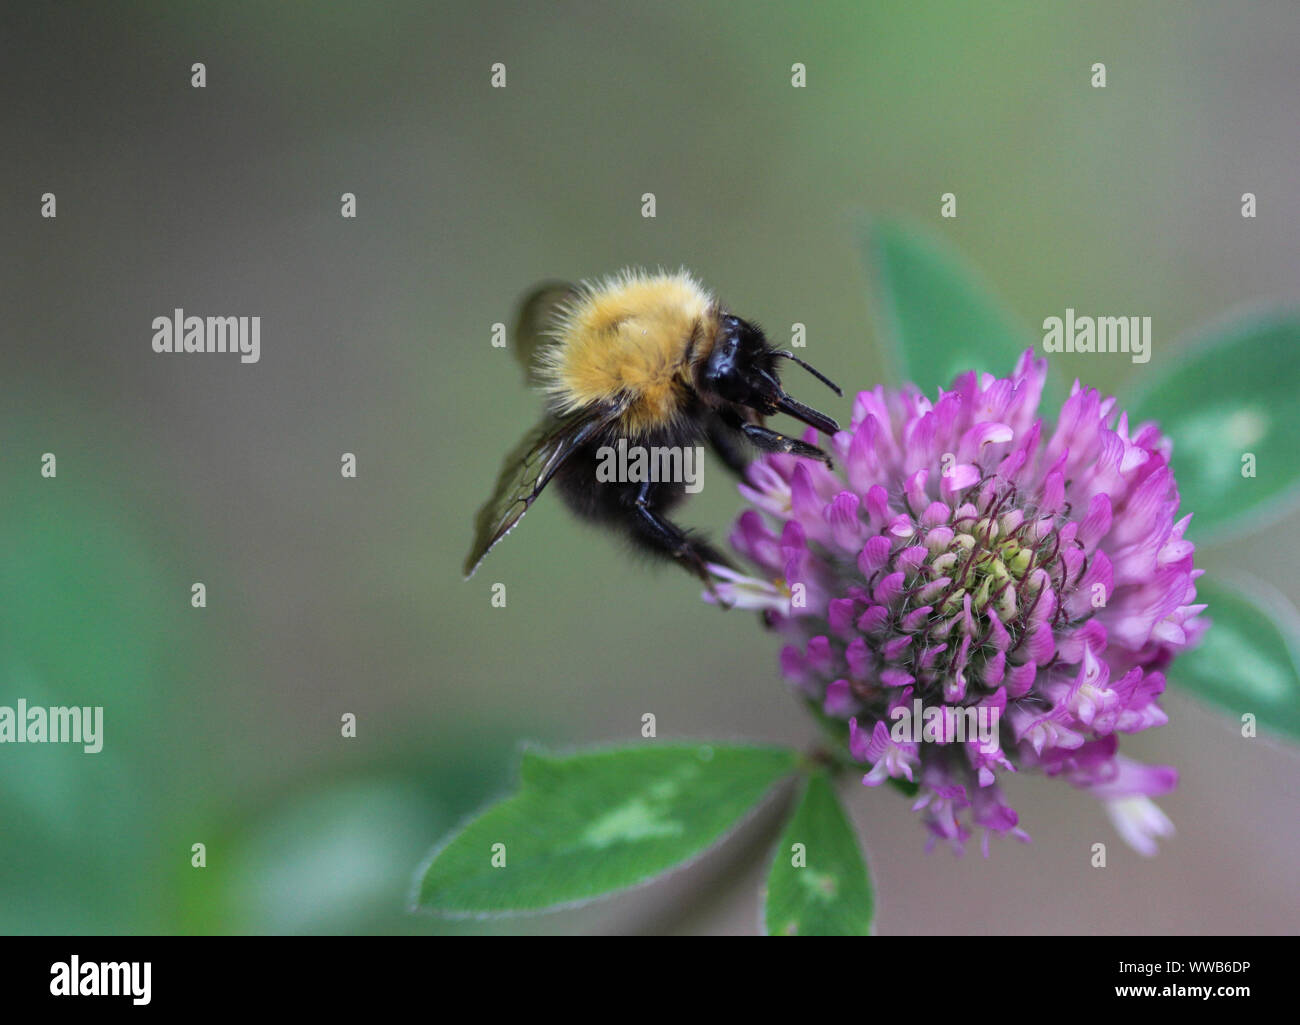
785	354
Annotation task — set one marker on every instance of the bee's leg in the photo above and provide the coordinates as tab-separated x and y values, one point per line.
661	535
774	441
728	445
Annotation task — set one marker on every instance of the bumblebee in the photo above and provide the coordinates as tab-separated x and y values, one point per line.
646	359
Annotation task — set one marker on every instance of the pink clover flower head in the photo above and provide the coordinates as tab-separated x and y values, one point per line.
973	559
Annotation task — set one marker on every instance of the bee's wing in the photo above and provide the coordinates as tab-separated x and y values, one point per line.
537	316
527	470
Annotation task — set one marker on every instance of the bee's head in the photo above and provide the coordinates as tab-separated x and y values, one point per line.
742	369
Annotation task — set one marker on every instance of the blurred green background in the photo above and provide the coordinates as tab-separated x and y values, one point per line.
328	596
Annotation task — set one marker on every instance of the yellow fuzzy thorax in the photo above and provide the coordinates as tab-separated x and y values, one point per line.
628	336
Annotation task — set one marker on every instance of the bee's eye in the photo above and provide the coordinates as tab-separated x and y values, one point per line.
732	371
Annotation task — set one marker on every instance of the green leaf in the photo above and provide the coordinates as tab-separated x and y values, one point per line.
1246	661
1230	394
829	894
938	317
90	616
590	823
